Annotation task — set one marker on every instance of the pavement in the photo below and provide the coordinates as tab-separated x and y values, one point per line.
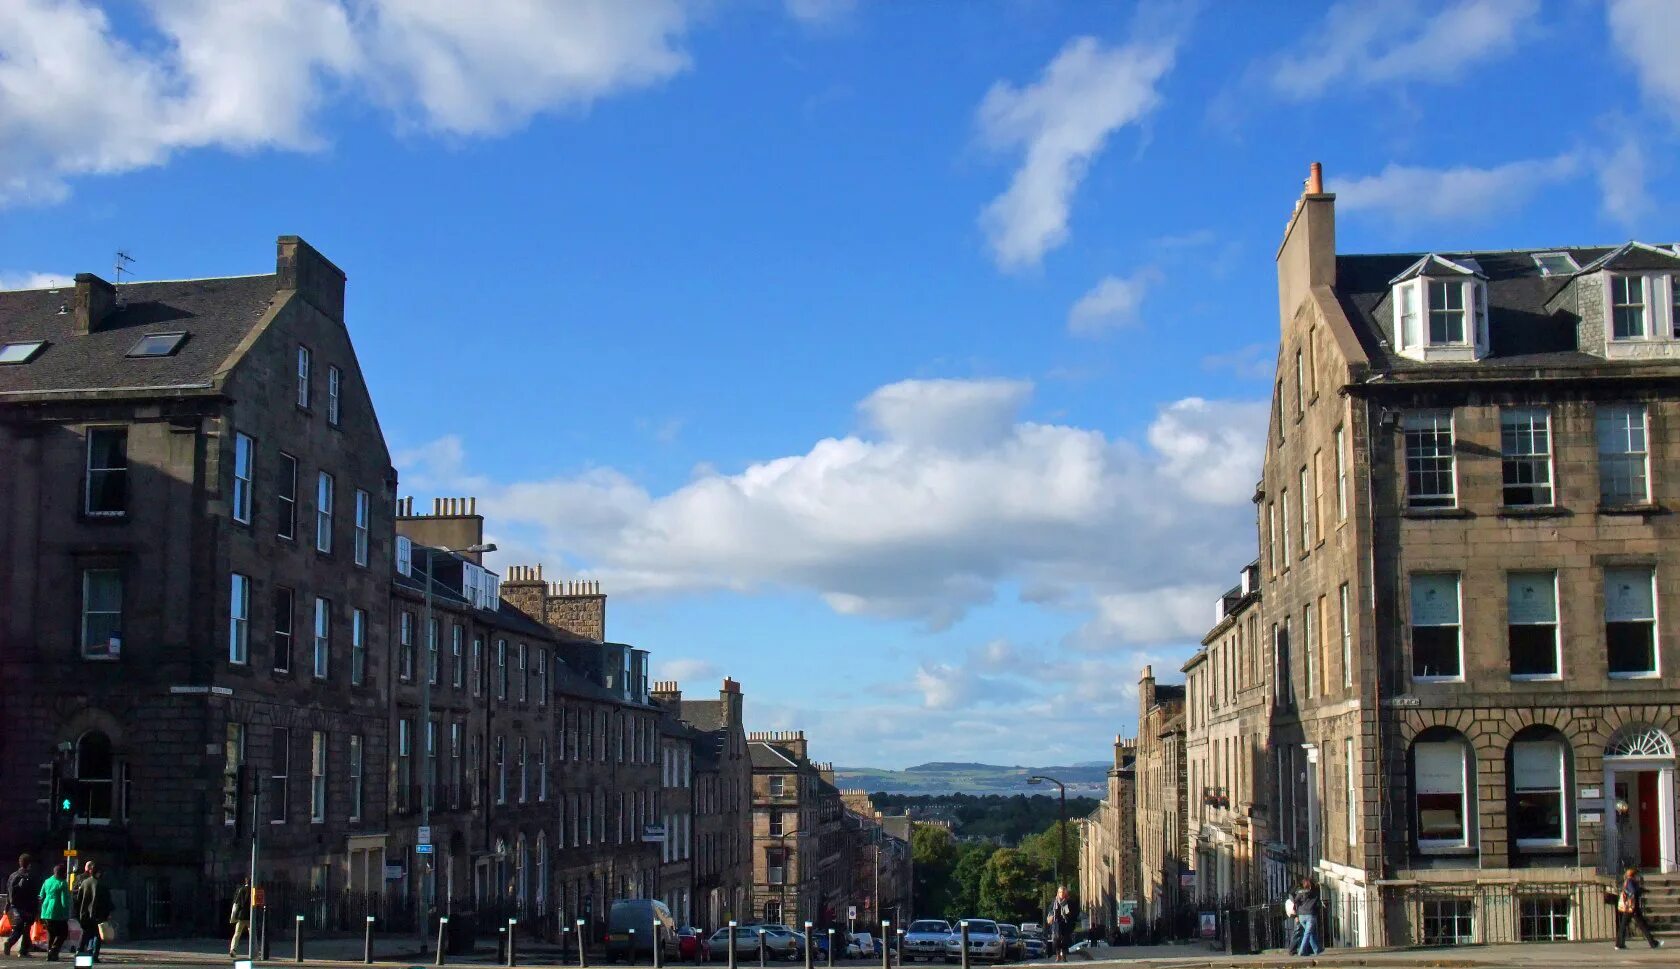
404	952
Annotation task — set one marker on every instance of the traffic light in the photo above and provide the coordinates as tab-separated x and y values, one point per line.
48	782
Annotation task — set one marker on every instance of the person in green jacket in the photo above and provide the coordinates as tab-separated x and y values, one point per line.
55	911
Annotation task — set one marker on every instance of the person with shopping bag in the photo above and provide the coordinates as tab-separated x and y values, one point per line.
1630	908
240	915
22	905
93	907
55	911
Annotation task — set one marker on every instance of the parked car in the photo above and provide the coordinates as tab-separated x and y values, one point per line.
866	945
1032	930
819	948
691	945
780	942
630	929
926	939
1012	948
1034	948
984	943
746	942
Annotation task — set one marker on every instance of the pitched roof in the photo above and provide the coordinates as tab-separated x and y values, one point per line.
216	315
1528	326
705	714
768	757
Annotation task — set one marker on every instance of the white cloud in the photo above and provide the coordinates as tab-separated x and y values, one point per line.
1414	195
1622	183
1647	33
78	99
684	670
34	280
1113	304
1059	124
1365	43
950	497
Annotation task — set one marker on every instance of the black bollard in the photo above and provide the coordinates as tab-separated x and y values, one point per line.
442	938
760	949
297	940
583	954
513	942
367	942
264	945
830	949
962	937
900	946
656	952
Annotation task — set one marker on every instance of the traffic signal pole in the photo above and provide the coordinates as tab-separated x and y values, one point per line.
251	899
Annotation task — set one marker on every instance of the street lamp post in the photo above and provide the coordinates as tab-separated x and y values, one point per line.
427	736
1061	833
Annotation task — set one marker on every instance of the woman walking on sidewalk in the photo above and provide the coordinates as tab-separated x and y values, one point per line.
1630	906
55	911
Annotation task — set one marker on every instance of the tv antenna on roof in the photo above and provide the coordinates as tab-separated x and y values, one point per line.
123	259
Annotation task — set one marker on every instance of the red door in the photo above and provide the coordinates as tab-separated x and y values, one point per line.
1650	821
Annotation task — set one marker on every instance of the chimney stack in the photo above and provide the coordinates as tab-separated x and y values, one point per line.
95	299
299	267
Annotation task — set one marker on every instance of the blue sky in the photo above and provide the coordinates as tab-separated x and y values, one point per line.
906	361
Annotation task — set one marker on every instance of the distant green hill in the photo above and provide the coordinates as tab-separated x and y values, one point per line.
1090	779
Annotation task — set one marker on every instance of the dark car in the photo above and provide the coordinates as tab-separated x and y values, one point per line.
630	929
1012	942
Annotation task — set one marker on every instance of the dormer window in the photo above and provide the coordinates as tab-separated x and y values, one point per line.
1638	301
1440	310
1627	307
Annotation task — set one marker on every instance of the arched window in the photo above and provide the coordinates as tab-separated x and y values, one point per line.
96	769
1537	768
1443	774
1639	742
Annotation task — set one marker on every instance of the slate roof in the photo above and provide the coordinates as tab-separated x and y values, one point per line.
768	757
704	714
1527	326
215	313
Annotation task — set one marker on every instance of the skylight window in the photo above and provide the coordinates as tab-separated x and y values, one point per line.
20	352
1555	263
157	345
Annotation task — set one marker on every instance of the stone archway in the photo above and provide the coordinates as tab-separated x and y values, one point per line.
1639	800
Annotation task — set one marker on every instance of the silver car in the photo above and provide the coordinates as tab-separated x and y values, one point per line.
926	939
985	944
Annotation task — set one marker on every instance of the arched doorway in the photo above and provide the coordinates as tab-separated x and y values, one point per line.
96	769
1639	800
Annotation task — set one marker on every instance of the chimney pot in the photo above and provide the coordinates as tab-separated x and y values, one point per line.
1315	179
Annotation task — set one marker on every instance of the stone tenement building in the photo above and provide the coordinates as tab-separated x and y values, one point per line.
802	855
1108	847
195	561
216	609
1465	546
880	853
1227	719
1160	771
723	799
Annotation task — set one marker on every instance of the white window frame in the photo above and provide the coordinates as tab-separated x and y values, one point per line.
324	487
303	394
1562	791
334	377
364	506
279	775
524	771
239	619
1534	424
323	638
1467	803
358	646
317	776
1429	422
1457	626
1347	638
1341	473
1610	427
1309	647
1352	791
501	769
1307	500
542	768
1650	575
1556	624
355	777
103	652
457	656
1616	301
244	458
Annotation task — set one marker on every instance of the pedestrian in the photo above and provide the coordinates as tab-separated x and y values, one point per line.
23	904
1630	907
93	907
1061	922
240	915
55	911
1306	913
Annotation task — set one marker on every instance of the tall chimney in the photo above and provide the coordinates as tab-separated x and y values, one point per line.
95	299
1315	179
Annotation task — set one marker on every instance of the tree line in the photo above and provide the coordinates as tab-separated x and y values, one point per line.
975	879
1004	819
